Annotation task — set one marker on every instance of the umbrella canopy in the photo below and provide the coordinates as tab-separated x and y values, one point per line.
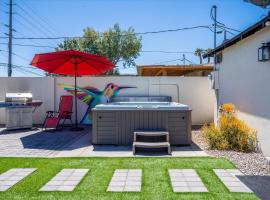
66	62
74	63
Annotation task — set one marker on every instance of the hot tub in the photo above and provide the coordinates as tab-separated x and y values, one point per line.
142	105
114	123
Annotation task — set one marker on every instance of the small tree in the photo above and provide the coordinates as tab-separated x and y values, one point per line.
115	44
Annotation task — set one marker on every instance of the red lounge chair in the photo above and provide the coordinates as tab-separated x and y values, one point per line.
64	113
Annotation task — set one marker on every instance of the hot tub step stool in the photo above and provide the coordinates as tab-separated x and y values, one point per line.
152	134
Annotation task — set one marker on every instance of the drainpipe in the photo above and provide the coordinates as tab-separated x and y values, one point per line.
54	93
215	65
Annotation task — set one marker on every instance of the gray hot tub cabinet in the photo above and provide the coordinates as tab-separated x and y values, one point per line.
116	127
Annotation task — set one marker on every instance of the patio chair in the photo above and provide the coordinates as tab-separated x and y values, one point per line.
53	118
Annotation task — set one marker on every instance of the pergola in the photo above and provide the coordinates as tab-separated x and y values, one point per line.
174	70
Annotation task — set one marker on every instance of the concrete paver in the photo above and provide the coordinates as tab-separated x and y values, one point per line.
186	180
230	180
13	176
126	180
65	143
65	180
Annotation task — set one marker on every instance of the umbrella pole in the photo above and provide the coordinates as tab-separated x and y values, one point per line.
76	128
76	111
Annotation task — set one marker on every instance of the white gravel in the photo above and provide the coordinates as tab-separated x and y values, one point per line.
248	163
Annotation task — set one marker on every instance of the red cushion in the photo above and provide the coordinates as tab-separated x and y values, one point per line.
51	122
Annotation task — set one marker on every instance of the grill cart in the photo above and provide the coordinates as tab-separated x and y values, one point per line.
19	110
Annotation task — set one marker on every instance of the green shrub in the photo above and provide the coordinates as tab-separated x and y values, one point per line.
231	133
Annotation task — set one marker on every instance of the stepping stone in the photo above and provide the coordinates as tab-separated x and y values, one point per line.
126	180
13	176
230	180
186	180
65	180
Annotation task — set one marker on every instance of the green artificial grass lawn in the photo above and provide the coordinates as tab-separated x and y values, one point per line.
155	178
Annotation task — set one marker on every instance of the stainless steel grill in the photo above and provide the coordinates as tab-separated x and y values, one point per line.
19	110
19	97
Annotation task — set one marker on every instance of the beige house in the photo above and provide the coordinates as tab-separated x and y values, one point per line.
242	77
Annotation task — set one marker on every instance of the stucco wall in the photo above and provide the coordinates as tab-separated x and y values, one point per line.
245	82
193	91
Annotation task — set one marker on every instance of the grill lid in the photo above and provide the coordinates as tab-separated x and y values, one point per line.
18	97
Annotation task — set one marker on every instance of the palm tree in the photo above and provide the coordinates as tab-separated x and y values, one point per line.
208	51
198	52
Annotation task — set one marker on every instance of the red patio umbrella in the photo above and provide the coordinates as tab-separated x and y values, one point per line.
73	63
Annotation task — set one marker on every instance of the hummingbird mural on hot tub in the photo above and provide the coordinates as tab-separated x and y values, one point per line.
92	96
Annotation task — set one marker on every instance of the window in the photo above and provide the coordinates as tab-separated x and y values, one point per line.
264	52
218	58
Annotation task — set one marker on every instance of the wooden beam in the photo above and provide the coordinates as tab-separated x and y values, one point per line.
161	73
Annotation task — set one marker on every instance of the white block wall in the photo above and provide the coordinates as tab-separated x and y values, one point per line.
193	91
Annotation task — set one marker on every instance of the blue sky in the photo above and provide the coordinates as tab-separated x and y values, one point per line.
70	17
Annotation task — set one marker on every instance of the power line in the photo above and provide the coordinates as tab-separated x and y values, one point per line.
30	68
143	51
222	25
168	61
2	53
179	59
232	29
2	33
43	19
35	43
213	17
171	30
226	30
21	71
31	72
36	24
32	41
21	57
16	55
32	17
4	67
31	20
24	68
31	29
33	25
16	69
191	62
30	45
172	52
138	33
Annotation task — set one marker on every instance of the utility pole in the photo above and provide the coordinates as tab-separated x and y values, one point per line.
215	33
225	36
10	39
184	59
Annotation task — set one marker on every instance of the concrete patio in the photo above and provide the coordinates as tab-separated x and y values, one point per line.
65	143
